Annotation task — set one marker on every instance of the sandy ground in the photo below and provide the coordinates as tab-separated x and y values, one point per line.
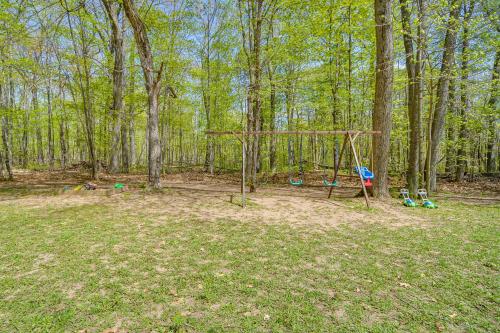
201	196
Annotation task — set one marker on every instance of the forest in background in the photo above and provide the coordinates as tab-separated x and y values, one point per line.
124	86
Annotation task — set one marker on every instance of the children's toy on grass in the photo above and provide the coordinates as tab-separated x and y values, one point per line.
119	186
90	186
422	193
407	201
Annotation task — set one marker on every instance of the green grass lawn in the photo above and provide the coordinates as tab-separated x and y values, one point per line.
93	267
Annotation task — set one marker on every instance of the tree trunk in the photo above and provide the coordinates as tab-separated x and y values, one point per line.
125	143
207	90
453	107
153	89
443	91
333	78
25	139
255	104
38	129
2	166
85	89
413	69
6	145
383	95
272	120
255	12
7	153
349	85
117	116
131	111
63	129
62	144
493	118
210	154
50	131
464	99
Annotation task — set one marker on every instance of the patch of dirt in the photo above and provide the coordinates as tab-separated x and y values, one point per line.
43	259
201	196
73	290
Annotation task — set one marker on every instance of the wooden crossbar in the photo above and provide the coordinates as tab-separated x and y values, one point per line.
261	133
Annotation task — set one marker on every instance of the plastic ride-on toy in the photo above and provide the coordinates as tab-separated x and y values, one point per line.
407	201
422	193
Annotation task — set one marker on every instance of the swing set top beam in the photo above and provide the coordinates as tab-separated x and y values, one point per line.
262	133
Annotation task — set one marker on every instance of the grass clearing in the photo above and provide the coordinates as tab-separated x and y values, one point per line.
90	264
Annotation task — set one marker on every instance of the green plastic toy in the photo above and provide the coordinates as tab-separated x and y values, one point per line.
329	184
296	181
422	193
407	201
119	186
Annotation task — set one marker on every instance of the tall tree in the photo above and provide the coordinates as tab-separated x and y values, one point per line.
493	104
414	66
117	110
81	49
50	130
5	111
493	101
209	13
152	84
382	111
465	105
443	91
253	14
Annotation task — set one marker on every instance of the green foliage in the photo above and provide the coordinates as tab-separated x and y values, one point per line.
306	47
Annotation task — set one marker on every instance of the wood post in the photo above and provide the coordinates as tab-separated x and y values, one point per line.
314	133
359	169
338	165
243	163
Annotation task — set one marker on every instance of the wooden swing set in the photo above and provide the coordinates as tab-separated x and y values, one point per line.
349	137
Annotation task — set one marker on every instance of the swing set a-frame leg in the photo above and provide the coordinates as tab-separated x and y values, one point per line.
351	140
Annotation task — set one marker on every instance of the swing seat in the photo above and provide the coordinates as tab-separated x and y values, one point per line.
296	181
329	184
365	173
